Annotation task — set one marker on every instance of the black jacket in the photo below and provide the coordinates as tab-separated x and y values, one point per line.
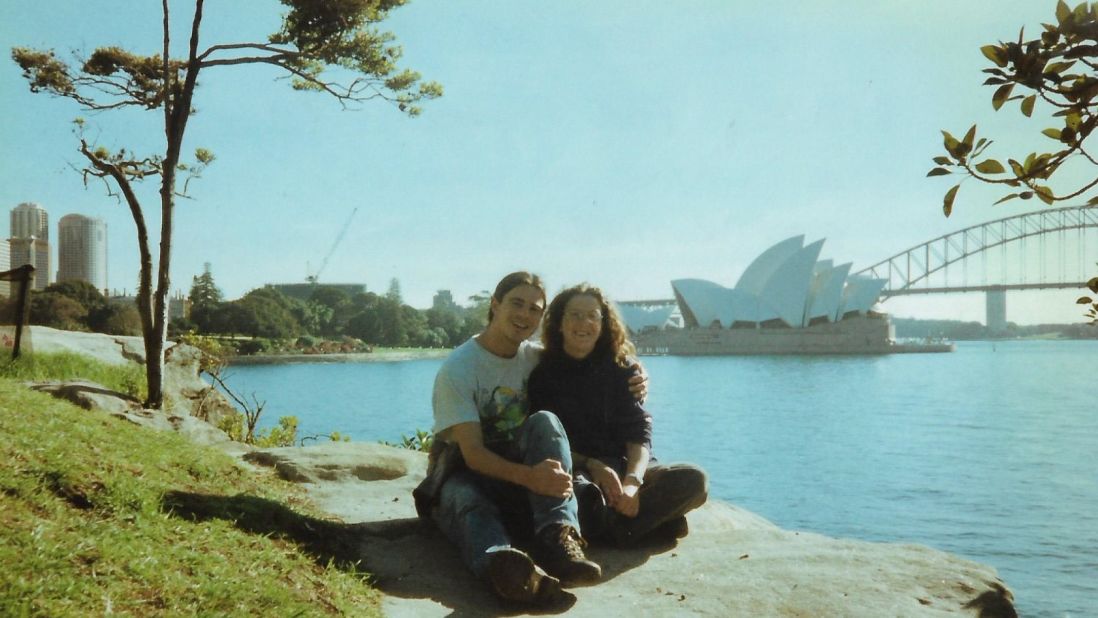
592	399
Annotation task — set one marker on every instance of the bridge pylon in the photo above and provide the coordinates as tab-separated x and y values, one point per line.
996	309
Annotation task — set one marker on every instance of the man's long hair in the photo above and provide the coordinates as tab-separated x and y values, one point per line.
511	282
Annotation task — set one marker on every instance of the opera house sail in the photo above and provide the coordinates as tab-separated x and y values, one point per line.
787	301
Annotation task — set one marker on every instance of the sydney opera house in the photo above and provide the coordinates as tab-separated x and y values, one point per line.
787	301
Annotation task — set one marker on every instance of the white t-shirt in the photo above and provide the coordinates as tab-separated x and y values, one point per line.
474	385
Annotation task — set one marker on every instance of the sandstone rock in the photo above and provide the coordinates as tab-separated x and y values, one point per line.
188	399
733	563
92	396
111	349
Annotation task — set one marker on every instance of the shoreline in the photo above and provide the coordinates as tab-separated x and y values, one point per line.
377	356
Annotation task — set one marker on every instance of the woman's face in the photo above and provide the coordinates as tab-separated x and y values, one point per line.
581	325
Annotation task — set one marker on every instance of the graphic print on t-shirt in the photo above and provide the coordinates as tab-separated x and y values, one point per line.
502	411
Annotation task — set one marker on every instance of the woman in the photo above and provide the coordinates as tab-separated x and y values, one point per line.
625	496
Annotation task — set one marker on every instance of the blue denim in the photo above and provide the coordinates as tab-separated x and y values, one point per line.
472	508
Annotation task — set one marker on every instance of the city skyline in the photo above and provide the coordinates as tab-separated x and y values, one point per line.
651	143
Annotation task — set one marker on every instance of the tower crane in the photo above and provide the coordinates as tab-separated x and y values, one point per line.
313	278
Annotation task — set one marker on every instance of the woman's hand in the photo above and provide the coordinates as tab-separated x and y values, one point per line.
607	480
629	502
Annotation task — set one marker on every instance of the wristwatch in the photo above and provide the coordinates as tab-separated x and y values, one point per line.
635	477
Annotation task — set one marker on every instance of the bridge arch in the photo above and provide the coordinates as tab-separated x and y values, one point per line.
911	271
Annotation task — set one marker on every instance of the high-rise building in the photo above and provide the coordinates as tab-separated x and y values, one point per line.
30	241
30	220
82	250
34	252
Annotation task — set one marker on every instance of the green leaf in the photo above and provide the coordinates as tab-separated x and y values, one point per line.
938	171
1053	133
1091	202
990	166
942	160
995	54
1084	300
1027	105
970	138
1093	285
952	146
1063	11
1058	67
1005	198
1002	93
1025	195
947	203
1074	120
1045	194
1016	168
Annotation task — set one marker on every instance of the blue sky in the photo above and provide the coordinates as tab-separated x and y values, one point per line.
623	143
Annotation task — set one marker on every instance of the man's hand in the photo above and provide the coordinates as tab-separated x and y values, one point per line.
638	382
548	478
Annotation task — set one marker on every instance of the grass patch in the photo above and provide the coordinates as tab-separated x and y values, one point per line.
128	379
99	516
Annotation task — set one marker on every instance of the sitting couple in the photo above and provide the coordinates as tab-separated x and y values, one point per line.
535	447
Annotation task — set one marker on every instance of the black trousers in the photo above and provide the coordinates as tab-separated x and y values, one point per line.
669	492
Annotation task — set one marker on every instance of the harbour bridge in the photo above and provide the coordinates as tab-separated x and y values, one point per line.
1044	249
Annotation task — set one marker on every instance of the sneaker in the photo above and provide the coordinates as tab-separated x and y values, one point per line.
515	577
560	550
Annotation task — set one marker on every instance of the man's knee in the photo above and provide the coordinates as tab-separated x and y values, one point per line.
544	422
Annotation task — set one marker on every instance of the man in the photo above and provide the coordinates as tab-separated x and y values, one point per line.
494	468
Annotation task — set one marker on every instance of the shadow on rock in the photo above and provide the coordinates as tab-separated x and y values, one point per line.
326	541
423	564
406	558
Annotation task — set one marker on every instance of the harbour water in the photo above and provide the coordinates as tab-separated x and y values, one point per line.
990	452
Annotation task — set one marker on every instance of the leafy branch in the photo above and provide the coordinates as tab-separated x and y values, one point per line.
1057	68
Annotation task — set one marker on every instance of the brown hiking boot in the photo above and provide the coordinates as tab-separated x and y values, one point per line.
560	551
515	577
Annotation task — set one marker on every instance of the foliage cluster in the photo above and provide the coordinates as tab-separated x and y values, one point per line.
419	441
330	320
78	305
98	516
1058	68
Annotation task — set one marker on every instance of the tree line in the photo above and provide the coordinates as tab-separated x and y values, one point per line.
329	314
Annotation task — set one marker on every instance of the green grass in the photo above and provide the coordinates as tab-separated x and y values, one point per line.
99	516
128	379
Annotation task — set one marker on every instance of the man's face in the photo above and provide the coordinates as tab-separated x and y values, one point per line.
517	316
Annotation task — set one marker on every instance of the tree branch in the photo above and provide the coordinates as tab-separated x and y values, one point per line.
260	46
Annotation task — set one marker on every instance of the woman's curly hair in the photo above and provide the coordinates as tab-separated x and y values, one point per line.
613	340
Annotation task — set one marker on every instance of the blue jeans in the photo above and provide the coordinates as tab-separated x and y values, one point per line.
473	509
